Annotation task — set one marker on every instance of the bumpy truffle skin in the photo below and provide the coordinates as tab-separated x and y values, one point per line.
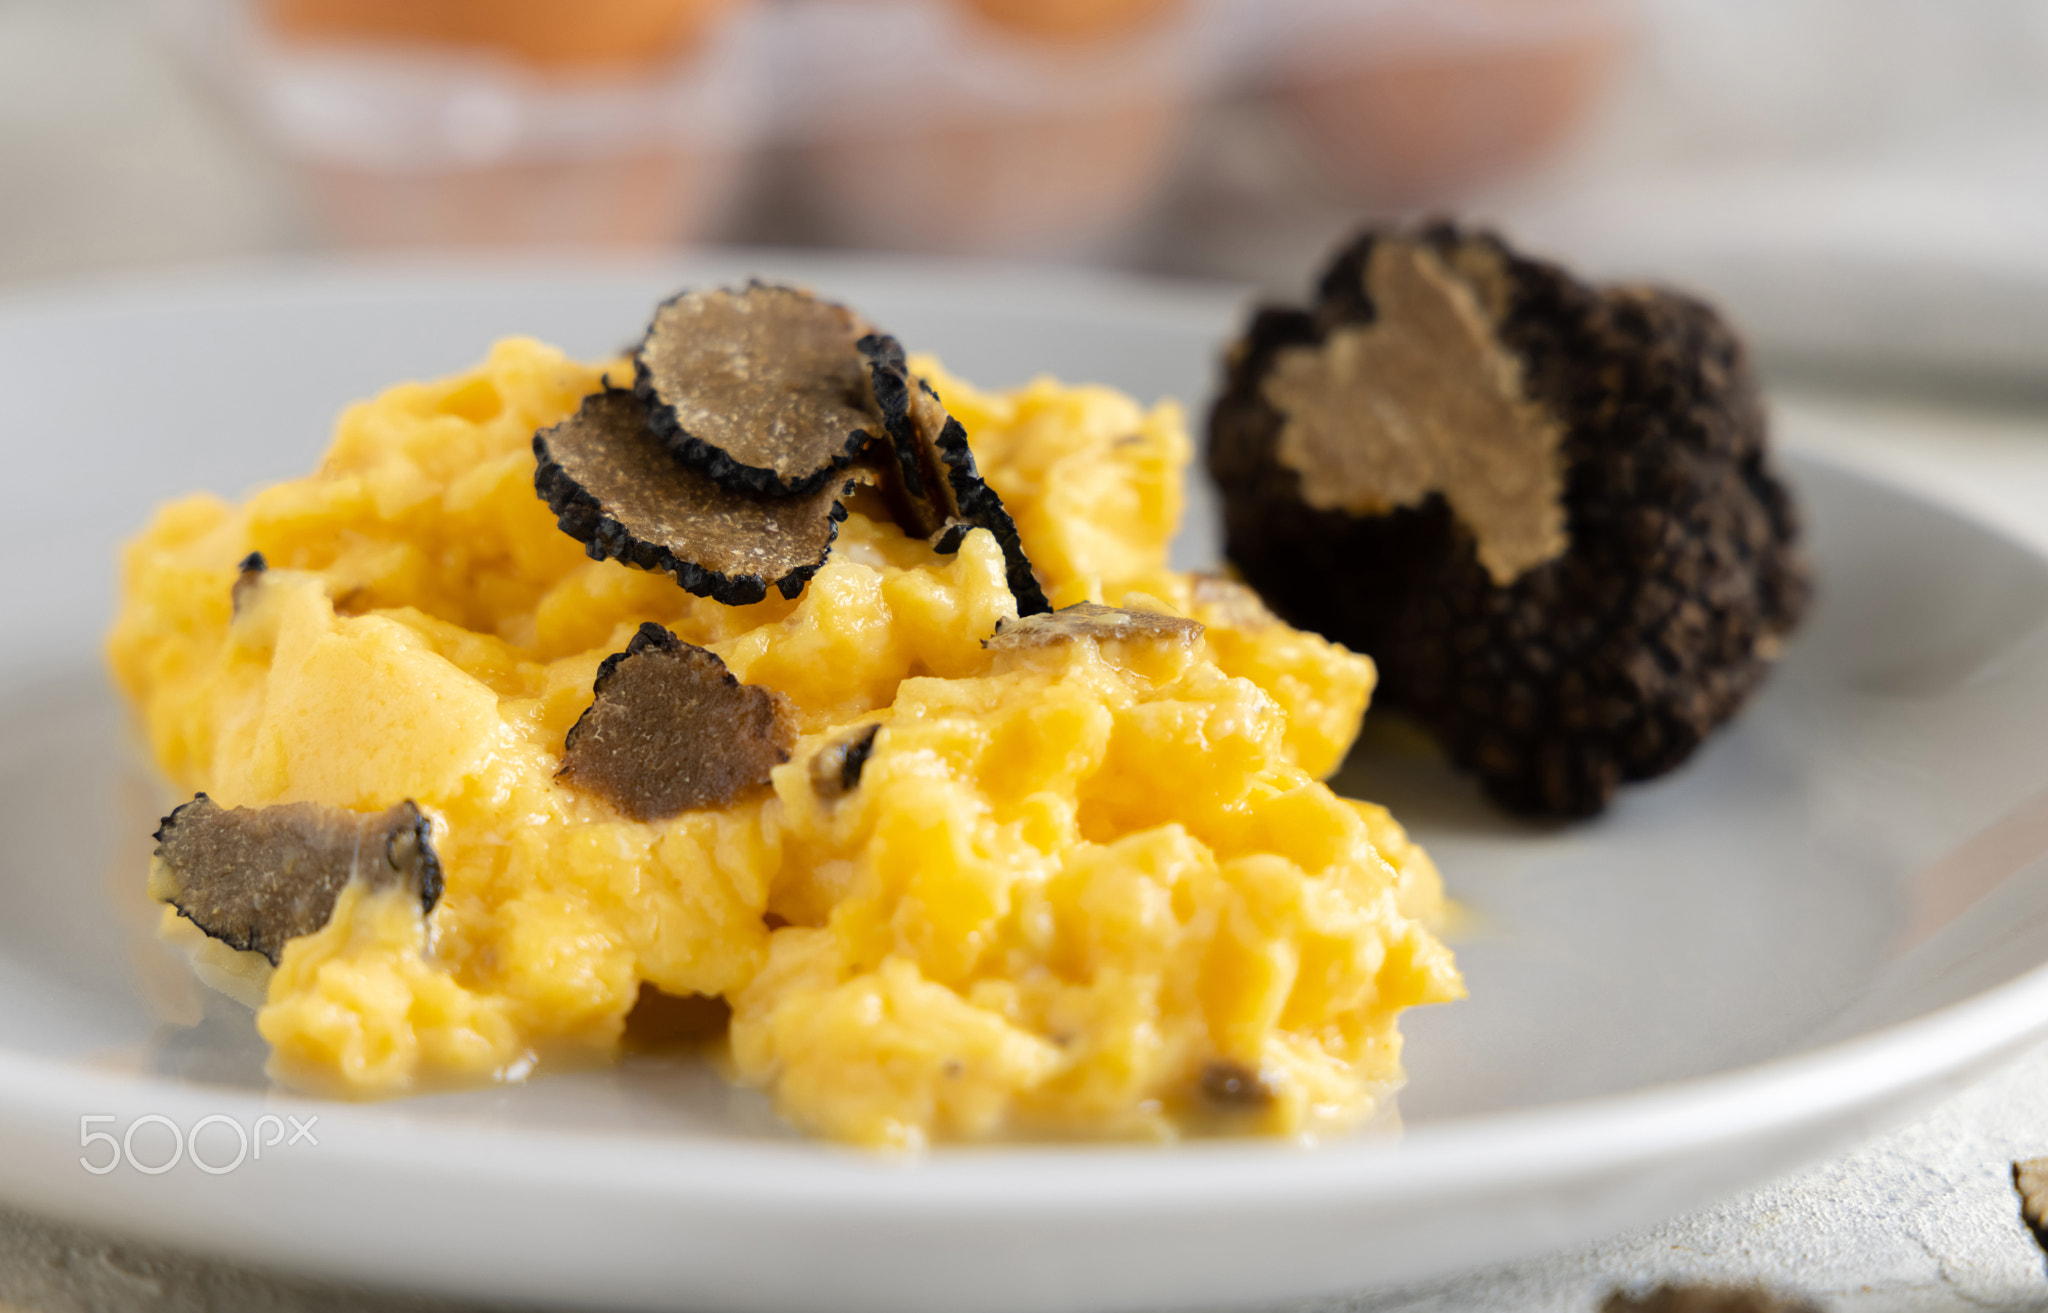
1608	663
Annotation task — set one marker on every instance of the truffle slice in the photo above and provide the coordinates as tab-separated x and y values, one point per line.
254	877
669	729
1544	509
1088	620
1423	400
934	488
760	388
615	488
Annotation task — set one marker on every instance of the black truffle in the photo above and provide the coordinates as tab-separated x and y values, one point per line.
1545	509
1234	1087
669	729
2030	1182
934	488
1089	620
249	574
837	767
616	489
1676	1298
255	877
752	414
761	388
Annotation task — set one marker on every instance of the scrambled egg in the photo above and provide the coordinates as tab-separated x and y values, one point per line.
1088	889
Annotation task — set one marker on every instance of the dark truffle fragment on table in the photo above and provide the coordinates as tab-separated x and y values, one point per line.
1089	620
669	729
1545	509
934	488
759	387
615	488
255	877
1689	1298
2030	1182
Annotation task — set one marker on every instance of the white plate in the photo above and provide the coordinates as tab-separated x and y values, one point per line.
1719	980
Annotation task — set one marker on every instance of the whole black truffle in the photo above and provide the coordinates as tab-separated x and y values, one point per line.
1543	508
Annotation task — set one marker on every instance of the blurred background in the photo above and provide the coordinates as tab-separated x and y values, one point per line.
1863	182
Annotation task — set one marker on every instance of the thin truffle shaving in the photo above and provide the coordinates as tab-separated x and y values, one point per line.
934	488
759	388
670	730
1089	620
618	491
255	877
1424	399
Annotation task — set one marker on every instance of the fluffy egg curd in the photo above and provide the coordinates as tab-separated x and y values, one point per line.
1079	884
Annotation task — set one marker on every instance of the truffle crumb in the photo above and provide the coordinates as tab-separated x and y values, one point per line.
255	877
250	574
660	1020
1089	620
618	491
837	767
2030	1179
670	729
1234	1086
1572	571
760	388
1673	1298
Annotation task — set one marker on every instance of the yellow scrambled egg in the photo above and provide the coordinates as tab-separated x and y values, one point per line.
1094	888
